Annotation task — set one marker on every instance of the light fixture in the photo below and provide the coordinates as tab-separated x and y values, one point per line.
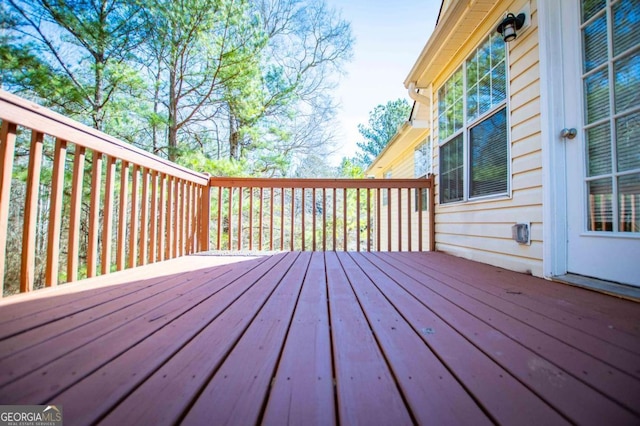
509	25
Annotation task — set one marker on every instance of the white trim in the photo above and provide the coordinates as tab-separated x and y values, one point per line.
554	186
468	125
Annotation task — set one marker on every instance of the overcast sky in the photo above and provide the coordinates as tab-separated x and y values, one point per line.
390	34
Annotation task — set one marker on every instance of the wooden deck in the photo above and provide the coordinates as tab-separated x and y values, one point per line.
322	338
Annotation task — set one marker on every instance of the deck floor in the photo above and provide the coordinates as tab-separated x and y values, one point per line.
323	338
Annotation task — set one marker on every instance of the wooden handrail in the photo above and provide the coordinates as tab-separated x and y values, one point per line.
307	210
21	112
106	174
318	183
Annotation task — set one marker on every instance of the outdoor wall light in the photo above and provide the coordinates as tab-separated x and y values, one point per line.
509	25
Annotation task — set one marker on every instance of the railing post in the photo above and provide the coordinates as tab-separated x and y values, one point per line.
205	217
432	215
7	149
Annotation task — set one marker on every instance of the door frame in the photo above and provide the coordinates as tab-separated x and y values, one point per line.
552	111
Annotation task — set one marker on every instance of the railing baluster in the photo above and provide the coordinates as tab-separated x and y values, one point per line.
122	219
194	233
240	197
271	219
7	150
188	248
344	221
219	219
260	218
335	217
378	220
293	215
419	219
186	222
176	218
162	218
55	215
281	219
107	221
389	218
27	268
133	222
399	191
368	219
192	219
153	226
76	209
303	219
168	235
324	219
251	218
94	215
230	218
144	219
181	218
409	218
313	225
358	219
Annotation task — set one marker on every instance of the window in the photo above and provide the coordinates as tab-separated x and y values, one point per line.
421	168
472	126
422	159
385	200
611	83
488	159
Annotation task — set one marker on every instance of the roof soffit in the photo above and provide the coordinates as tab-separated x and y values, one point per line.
459	22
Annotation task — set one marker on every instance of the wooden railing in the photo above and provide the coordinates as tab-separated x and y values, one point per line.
322	214
67	226
76	203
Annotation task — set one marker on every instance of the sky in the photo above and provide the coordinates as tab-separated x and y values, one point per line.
389	36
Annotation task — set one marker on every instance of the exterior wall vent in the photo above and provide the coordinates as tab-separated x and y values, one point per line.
521	233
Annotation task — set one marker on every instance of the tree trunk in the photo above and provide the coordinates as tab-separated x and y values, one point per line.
234	139
173	110
97	96
156	105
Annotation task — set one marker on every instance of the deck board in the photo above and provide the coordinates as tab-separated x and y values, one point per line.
480	374
432	392
616	382
483	326
302	389
323	338
365	388
585	310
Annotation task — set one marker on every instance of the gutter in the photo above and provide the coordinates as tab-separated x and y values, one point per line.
415	94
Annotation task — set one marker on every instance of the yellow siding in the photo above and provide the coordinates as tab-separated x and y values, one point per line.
481	230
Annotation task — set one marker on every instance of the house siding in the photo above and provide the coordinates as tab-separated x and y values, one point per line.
481	230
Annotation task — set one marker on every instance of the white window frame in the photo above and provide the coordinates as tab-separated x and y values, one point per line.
468	125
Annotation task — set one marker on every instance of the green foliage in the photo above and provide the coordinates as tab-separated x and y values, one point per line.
197	161
350	168
240	79
383	124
